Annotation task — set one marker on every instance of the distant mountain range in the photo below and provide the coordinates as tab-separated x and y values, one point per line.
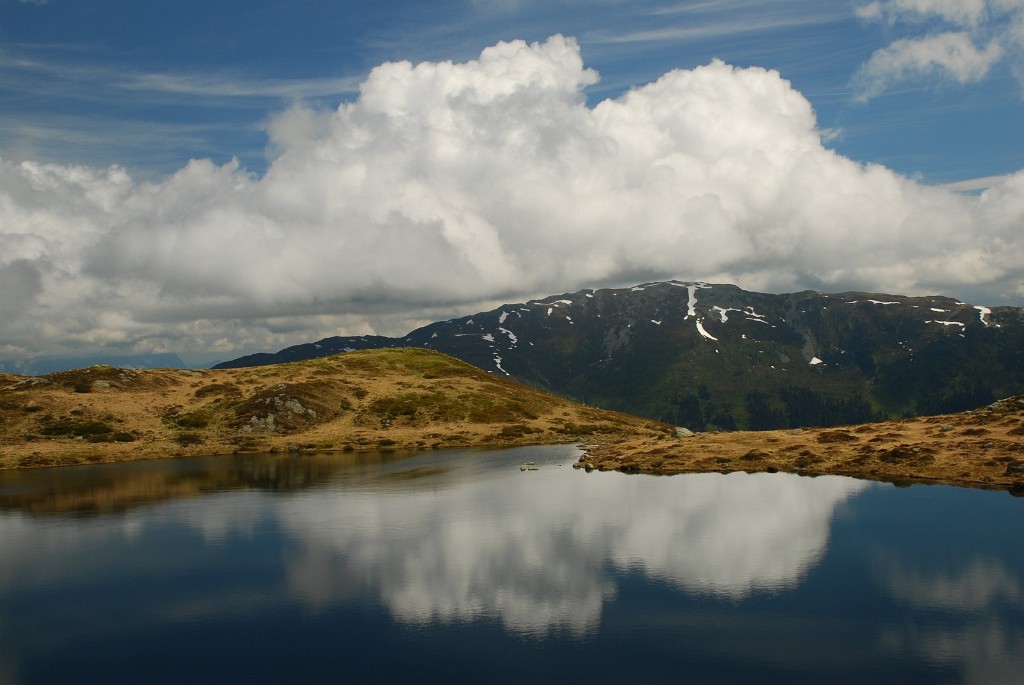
45	365
716	356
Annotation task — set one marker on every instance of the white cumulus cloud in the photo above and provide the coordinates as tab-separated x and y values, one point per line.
953	53
443	186
959	12
958	39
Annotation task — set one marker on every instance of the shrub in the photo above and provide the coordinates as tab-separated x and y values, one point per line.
186	439
66	426
516	431
191	421
217	389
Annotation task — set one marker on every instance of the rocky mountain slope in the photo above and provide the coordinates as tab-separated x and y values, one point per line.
716	356
408	398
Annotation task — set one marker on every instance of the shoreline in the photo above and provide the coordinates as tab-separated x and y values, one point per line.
59	457
983	448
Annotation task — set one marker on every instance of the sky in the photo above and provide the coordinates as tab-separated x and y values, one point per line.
221	177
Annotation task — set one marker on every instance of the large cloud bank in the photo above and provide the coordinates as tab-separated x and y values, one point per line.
444	186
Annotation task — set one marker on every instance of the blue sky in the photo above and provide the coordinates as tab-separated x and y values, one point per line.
149	85
221	177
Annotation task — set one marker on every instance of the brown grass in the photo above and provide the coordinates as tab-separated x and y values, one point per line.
394	398
981	448
419	399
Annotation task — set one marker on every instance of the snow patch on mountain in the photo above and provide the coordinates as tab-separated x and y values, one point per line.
723	313
700	329
691	301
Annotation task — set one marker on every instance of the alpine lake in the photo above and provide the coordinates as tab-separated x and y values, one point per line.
499	566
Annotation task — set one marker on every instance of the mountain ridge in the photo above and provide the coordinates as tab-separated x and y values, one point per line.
716	356
41	366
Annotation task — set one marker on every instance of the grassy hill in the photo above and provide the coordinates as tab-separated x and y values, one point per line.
389	398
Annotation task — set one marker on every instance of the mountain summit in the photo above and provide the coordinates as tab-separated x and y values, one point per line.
716	356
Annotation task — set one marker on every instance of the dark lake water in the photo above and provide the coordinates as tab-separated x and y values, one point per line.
458	566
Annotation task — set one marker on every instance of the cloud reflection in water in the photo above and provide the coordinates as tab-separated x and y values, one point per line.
976	594
535	552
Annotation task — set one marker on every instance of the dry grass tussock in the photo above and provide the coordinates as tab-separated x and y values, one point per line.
396	398
981	448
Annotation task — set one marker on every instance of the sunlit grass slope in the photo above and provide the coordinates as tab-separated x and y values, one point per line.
392	398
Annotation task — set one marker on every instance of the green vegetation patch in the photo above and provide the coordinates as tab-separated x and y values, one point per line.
192	420
424	363
186	439
517	431
218	390
80	428
570	428
73	427
422	407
